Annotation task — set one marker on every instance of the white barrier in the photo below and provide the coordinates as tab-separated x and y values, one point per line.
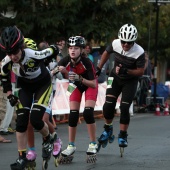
61	100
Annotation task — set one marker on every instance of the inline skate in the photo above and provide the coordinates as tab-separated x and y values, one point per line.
67	154
106	136
31	157
46	152
122	141
91	153
20	164
56	151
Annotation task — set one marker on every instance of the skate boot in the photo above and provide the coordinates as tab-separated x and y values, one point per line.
122	141
20	164
91	153
46	152
106	136
54	136
67	154
56	151
31	157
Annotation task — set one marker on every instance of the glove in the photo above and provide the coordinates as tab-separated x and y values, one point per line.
55	70
47	61
12	99
98	71
74	77
55	50
123	70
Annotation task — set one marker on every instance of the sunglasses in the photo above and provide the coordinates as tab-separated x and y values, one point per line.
13	52
129	43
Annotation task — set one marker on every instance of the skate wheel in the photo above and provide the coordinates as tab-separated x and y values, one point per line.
121	151
56	161
65	160
31	165
45	165
91	158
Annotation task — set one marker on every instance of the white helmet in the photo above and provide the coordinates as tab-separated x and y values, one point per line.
128	32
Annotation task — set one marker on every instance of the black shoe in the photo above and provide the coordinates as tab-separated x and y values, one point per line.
20	164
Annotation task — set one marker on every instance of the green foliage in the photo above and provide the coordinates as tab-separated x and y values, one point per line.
99	20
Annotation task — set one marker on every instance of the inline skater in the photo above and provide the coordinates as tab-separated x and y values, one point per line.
81	75
34	84
31	154
128	67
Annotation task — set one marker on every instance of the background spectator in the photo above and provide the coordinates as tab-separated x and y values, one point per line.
4	127
61	44
88	50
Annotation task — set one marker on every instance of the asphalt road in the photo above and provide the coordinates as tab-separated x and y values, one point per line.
149	147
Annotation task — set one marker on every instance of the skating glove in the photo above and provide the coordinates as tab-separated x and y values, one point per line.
53	56
74	77
55	49
55	70
12	99
123	71
98	71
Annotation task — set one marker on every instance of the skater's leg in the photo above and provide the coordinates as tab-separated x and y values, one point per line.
30	136
88	115
124	127
128	93
36	119
92	131
124	123
73	120
108	113
71	146
91	127
57	140
21	127
67	154
46	118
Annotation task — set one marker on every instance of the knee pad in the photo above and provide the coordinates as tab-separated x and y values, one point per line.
22	119
36	117
88	115
125	116
109	107
73	118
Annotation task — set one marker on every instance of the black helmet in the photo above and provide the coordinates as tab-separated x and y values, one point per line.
76	41
11	39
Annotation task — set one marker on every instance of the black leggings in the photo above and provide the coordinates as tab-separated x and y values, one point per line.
36	96
128	89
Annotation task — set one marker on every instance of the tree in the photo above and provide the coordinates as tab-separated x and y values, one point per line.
99	20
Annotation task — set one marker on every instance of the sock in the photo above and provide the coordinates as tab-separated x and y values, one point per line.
71	143
31	149
93	142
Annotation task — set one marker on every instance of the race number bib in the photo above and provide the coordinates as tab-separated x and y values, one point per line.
109	82
70	89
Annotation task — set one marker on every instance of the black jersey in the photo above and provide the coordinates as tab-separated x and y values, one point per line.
30	70
132	59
